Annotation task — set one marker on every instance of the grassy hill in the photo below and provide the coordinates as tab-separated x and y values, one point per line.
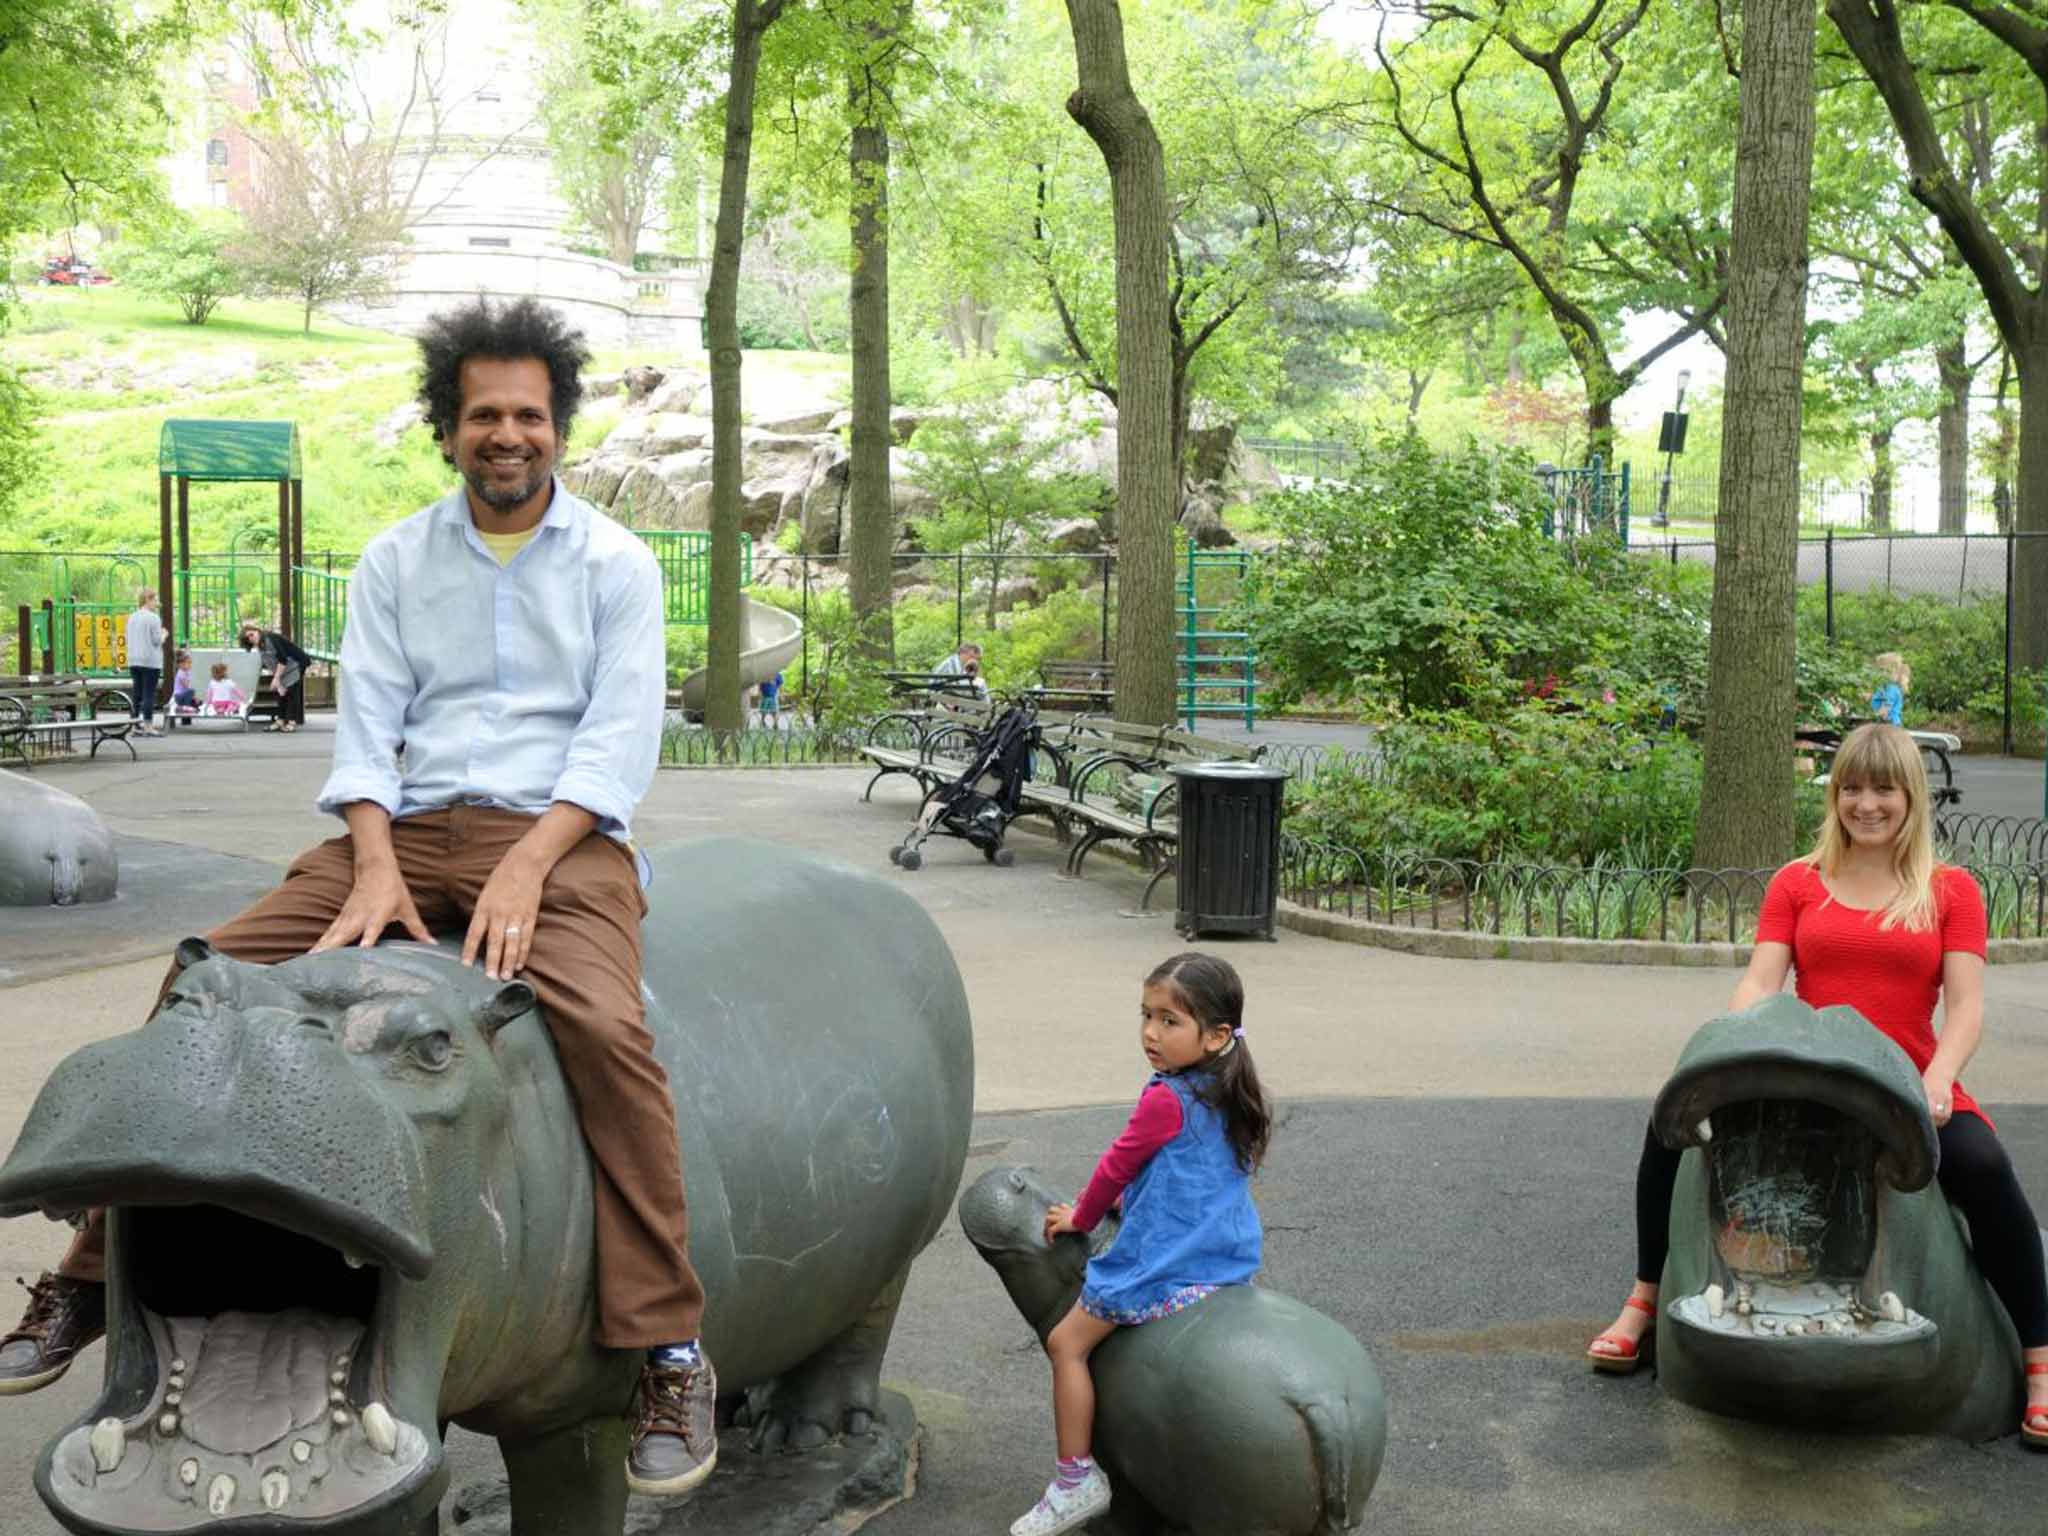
110	364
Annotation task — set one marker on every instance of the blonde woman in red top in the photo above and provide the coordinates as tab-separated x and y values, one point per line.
1869	919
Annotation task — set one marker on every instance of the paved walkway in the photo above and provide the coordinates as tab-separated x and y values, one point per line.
1451	1179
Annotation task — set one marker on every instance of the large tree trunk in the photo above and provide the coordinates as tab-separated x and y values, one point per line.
724	709
1746	809
2030	577
1110	112
1952	432
868	492
1881	480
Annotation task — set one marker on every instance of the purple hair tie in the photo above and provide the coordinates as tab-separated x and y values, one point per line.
1237	1033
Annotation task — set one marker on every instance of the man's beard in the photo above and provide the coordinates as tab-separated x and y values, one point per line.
501	498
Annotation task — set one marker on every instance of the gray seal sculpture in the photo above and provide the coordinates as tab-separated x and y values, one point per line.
350	1202
54	849
1816	1274
1247	1414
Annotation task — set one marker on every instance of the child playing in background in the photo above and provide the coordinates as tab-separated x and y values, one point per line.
222	696
184	702
1888	703
1183	1167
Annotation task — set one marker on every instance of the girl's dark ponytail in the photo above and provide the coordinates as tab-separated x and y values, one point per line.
1214	995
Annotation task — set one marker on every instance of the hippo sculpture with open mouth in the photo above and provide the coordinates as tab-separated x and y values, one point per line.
1816	1274
1247	1414
350	1203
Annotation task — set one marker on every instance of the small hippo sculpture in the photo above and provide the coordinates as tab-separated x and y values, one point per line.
54	849
350	1202
1248	1414
1816	1275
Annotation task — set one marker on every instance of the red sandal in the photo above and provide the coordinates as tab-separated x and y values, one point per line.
1630	1353
2034	1422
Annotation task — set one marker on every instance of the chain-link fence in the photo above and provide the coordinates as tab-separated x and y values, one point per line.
1947	602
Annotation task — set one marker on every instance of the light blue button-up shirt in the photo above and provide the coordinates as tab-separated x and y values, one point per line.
514	685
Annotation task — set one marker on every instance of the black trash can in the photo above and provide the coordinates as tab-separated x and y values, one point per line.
1228	866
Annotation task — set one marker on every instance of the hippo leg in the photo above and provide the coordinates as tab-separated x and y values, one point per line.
570	1483
835	1391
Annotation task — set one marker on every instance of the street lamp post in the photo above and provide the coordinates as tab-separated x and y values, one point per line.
1673	444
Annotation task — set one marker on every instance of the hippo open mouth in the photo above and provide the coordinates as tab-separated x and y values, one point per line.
1801	1137
247	1379
253	1269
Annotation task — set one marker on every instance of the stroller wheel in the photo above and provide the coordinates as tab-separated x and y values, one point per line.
895	853
1002	858
911	859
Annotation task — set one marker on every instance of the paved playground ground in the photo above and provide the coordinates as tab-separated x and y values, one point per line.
1451	1179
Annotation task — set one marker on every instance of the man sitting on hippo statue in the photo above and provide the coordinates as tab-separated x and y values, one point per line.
508	639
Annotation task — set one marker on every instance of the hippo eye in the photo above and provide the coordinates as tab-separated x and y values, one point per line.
433	1051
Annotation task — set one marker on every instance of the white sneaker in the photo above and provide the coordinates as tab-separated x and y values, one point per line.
1064	1510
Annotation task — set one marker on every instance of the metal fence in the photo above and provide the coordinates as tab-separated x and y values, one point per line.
1960	571
1600	901
1849	505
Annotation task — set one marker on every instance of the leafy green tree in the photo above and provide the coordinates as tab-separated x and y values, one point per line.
1919	61
997	484
1585	144
189	259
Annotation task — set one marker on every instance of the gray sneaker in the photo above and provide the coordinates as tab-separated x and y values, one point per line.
675	1438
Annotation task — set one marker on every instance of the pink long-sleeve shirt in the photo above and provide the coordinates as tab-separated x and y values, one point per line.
1156	1121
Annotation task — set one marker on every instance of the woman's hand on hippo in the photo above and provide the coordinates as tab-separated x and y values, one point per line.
1058	1219
1941	1095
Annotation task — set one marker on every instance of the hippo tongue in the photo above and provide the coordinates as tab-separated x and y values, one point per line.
258	1376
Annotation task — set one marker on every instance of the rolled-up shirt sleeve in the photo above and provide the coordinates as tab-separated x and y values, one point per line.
377	685
612	755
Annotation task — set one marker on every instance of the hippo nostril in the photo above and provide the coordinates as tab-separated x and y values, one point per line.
1017	1182
317	1025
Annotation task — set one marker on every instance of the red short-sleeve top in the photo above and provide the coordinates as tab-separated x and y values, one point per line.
1892	976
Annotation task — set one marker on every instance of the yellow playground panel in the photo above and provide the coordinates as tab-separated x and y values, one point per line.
101	641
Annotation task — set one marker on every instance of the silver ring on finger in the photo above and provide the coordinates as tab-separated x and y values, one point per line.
511	929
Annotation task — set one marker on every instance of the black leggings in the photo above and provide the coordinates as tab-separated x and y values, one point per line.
1979	1181
291	703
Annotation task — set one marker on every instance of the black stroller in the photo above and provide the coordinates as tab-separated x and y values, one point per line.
982	802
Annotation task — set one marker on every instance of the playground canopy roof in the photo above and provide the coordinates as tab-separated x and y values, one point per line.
229	450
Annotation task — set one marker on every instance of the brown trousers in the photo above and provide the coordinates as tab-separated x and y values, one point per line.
585	968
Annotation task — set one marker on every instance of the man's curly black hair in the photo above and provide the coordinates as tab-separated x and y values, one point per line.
505	333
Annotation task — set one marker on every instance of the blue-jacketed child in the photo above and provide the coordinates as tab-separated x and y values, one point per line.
1888	703
1183	1166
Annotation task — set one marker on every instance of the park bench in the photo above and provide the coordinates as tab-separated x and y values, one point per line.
1123	790
49	711
1097	781
1080	686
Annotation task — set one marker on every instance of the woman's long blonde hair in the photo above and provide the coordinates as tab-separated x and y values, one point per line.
1885	755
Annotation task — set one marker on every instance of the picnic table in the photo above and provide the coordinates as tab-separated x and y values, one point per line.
38	710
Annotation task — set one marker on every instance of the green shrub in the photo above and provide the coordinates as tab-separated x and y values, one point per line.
1425	576
1956	650
1532	783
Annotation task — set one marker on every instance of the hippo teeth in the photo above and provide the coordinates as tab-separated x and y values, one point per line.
109	1440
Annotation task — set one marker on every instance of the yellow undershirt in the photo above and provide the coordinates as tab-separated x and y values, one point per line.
506	545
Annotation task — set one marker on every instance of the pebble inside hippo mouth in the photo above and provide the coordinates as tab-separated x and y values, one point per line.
1793	1206
261	1354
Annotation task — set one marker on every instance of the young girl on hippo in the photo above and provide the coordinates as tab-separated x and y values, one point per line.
1183	1168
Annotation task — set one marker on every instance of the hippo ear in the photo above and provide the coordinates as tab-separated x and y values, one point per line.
503	1006
192	951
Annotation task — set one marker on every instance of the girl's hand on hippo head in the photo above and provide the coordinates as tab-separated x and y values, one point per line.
1059	1219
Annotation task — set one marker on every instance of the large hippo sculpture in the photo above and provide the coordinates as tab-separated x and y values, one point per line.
54	849
1248	1414
351	1203
1817	1275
